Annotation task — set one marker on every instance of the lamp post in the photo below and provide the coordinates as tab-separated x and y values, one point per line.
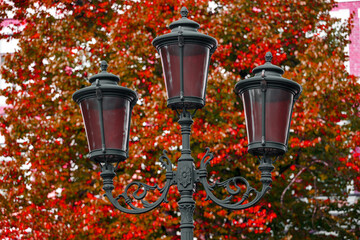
268	100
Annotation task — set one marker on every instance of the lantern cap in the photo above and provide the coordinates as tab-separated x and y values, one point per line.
273	76
185	30
104	75
184	21
268	66
109	87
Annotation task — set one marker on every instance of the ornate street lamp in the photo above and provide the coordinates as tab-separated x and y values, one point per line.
268	100
106	110
185	56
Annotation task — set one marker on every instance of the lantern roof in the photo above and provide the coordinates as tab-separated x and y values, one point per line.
184	21
109	87
185	30
104	75
273	76
268	66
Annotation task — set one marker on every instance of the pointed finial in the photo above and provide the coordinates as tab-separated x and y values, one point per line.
103	66
268	57
184	12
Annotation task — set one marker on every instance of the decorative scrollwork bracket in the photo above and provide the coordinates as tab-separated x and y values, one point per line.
141	191
265	167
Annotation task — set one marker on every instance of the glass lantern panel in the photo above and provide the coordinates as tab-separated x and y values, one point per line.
196	64
277	114
252	100
116	112
279	103
170	59
116	117
90	113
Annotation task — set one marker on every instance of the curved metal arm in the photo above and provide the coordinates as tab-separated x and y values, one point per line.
108	174
266	168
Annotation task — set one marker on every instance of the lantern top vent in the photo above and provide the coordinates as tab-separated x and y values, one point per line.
104	75
185	29
107	82
268	66
273	76
184	21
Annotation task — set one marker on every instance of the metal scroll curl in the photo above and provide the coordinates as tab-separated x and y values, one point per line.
141	191
232	191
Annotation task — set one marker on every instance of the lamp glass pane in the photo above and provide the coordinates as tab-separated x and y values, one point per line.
252	100
116	117
195	63
116	112
170	59
90	113
277	120
278	109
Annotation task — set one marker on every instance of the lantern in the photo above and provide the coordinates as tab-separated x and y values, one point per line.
268	101
106	111
185	56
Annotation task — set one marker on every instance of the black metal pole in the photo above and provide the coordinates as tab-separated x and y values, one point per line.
185	179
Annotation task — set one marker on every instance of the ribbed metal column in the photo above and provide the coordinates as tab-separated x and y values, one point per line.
185	179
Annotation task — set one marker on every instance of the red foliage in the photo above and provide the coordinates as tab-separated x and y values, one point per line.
48	189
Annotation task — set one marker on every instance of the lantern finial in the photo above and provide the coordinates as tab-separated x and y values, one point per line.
103	66
184	12
268	57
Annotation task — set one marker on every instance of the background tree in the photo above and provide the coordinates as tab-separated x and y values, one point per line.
49	189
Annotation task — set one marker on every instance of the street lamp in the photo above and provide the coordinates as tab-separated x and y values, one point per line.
185	56
106	110
268	100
